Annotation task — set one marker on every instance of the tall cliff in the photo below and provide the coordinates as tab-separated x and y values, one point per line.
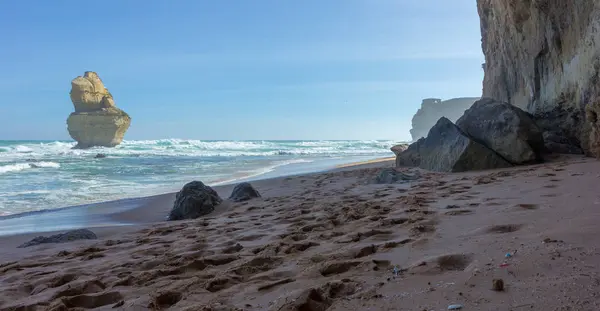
96	121
432	109
544	57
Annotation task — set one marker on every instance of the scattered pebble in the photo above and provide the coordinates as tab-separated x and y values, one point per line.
455	307
498	285
396	271
549	240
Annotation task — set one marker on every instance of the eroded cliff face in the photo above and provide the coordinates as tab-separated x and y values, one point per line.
432	109
96	120
544	57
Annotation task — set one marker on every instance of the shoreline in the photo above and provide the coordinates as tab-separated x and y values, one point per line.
122	212
366	162
40	175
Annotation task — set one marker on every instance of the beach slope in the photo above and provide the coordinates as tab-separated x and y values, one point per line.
338	241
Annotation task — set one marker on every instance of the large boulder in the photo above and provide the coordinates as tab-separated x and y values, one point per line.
448	149
243	192
410	157
555	141
504	128
195	199
544	57
96	120
398	149
432	109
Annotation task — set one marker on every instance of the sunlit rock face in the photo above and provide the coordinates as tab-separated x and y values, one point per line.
96	121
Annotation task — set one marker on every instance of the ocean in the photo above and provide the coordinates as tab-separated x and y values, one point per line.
46	175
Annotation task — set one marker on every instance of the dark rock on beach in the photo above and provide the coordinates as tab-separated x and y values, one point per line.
411	156
195	199
555	141
448	149
398	149
243	192
73	235
504	128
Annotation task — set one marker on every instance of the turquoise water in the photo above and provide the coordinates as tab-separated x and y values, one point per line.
42	175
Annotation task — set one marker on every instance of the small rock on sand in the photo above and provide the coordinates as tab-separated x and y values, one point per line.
73	235
498	285
243	192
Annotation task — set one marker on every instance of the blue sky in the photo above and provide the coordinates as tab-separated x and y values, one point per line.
234	69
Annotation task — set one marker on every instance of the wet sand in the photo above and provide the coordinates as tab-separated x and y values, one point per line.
337	241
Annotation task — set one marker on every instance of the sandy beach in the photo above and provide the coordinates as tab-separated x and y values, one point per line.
336	241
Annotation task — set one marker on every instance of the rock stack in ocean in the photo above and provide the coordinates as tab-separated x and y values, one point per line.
432	109
96	121
544	57
489	135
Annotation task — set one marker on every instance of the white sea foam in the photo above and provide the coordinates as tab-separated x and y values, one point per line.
23	166
60	176
198	148
14	167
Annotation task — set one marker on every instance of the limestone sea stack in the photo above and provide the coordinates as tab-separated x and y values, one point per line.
96	122
432	109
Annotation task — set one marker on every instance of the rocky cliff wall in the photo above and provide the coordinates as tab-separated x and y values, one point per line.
544	57
432	109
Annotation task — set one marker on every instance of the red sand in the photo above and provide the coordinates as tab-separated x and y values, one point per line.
330	242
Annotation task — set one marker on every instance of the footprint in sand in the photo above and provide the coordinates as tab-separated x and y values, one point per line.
258	264
394	244
527	206
393	221
503	228
232	249
421	229
300	247
275	284
223	282
339	267
165	300
459	212
321	298
550	195
251	237
442	264
62	280
363	251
